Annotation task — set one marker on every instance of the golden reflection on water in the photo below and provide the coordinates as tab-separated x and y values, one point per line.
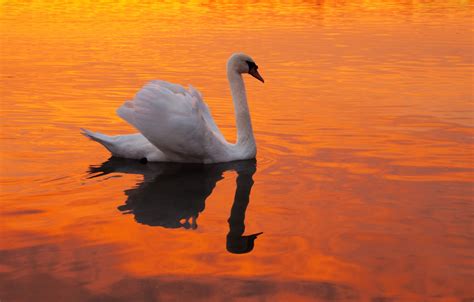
363	187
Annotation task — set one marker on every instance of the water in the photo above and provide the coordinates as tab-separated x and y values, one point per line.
362	185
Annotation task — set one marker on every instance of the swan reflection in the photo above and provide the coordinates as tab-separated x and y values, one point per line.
172	195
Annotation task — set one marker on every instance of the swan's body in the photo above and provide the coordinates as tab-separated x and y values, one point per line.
176	126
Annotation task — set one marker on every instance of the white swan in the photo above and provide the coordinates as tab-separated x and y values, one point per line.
176	126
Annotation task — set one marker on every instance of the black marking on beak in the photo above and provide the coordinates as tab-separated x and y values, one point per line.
253	71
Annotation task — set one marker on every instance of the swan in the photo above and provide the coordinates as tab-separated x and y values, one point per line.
176	125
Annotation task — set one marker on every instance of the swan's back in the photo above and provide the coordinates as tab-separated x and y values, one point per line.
176	121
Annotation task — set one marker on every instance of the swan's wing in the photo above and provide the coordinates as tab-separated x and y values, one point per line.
206	113
174	119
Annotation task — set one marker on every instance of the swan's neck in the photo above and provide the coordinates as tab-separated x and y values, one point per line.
245	136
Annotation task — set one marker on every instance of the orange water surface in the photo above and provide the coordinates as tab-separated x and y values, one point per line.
363	183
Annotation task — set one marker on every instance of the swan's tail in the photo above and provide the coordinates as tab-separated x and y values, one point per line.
103	139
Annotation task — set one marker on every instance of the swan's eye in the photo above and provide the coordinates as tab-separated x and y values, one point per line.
252	65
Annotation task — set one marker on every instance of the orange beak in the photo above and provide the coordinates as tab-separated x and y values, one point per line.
254	73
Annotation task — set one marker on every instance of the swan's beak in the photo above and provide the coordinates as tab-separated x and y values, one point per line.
254	73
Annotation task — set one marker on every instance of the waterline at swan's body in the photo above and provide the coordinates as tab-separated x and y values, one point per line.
176	125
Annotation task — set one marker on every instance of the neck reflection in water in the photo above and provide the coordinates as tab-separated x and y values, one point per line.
172	195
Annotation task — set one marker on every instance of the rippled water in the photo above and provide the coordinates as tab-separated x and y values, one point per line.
362	185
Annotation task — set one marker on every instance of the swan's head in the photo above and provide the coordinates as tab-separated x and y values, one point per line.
243	63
